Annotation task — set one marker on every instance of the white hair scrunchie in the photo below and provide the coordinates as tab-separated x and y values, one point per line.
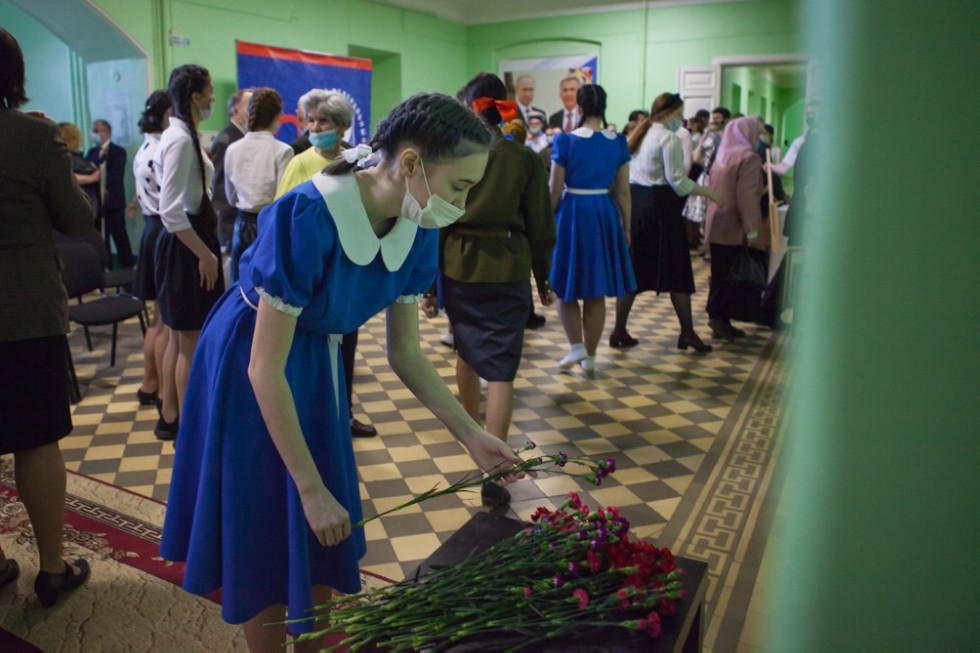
357	153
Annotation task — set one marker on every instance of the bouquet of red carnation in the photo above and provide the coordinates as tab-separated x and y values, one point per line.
571	570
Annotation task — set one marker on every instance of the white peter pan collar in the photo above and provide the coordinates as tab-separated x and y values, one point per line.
585	132
357	238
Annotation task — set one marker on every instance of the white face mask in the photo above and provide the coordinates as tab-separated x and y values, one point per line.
438	213
205	113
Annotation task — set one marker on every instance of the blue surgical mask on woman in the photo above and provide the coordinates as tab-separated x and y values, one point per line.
324	140
438	213
674	124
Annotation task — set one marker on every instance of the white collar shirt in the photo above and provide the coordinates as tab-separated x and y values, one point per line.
254	167
660	161
147	190
178	174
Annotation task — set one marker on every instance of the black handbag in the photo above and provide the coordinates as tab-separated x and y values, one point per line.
747	272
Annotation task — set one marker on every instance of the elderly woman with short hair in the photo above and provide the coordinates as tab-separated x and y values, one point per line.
328	116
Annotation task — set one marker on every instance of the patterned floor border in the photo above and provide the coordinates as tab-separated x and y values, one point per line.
724	518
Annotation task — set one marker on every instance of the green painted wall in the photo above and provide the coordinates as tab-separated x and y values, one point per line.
639	50
416	52
782	107
880	535
48	63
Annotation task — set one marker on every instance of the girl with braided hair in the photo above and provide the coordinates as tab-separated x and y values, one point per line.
188	272
590	190
155	119
265	486
254	166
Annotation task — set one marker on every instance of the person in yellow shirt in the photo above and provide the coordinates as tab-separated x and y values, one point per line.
329	115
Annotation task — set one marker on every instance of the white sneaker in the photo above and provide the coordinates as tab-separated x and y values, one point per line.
448	339
571	359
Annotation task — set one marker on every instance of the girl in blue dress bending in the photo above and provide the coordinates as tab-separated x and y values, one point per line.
265	486
590	190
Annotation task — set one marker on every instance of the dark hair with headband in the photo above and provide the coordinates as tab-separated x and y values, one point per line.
151	120
439	126
592	100
664	105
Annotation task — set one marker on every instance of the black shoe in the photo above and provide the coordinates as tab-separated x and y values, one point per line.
493	495
147	398
722	330
9	572
166	431
692	340
534	321
359	429
622	340
738	333
49	586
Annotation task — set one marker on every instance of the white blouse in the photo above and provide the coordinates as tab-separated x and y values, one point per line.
147	190
179	176
253	169
660	161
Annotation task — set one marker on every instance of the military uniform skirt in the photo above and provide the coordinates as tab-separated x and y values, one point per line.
658	247
488	324
183	303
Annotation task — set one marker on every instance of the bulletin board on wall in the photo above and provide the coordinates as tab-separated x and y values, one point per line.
548	73
294	72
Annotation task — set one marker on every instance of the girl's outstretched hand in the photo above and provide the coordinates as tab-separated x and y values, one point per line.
494	456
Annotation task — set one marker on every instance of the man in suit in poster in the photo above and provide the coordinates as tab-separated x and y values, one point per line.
568	118
112	159
524	94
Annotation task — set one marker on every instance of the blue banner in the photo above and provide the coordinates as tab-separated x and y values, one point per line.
294	72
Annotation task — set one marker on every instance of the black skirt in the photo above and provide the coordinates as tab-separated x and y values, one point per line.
34	396
146	288
246	231
183	303
488	324
658	247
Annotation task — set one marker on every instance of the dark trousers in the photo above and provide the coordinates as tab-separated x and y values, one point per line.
348	348
720	292
115	228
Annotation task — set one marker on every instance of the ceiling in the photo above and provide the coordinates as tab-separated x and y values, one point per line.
471	12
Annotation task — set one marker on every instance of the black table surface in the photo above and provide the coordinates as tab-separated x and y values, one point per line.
484	530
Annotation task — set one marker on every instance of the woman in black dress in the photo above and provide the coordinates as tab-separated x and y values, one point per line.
658	240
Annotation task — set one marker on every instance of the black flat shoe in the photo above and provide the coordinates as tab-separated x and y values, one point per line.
493	495
622	340
49	586
9	572
692	340
147	398
165	430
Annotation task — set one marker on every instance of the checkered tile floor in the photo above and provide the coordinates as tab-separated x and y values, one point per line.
657	410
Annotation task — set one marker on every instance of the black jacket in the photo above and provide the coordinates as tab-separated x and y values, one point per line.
115	174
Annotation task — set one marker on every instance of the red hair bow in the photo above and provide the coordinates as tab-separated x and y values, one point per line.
507	109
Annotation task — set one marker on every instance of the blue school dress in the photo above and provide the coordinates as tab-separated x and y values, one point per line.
591	258
234	514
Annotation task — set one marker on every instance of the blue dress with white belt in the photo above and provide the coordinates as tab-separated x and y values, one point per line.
591	257
234	513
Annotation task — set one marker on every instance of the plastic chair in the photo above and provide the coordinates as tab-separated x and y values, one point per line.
82	274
